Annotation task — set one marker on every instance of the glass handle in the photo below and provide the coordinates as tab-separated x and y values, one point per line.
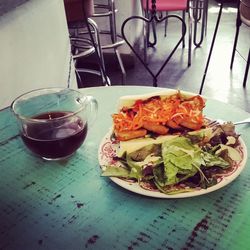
93	105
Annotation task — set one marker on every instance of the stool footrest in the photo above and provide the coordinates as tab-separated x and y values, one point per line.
113	45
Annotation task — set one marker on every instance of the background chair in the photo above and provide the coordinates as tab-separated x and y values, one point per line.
149	22
243	16
199	12
77	14
166	6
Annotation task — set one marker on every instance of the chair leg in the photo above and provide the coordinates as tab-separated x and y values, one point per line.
235	45
112	20
199	14
238	24
97	45
206	16
110	13
183	28
154	41
246	70
190	33
124	75
211	47
146	32
166	25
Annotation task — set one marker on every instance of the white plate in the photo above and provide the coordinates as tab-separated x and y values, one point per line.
107	150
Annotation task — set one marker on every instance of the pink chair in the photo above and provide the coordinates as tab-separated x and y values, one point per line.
167	6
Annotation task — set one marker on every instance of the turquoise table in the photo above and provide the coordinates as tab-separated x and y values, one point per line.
67	205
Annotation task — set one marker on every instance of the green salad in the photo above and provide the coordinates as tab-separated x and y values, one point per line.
180	162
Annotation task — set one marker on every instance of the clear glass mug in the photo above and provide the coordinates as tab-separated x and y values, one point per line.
54	121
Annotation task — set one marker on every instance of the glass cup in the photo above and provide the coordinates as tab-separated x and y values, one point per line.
54	121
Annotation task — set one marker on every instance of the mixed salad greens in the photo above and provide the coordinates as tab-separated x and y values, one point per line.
178	163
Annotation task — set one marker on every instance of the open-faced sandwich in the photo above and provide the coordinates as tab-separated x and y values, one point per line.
165	144
159	114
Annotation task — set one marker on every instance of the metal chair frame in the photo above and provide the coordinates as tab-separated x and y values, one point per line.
199	9
153	18
78	19
116	39
211	47
199	13
238	25
82	47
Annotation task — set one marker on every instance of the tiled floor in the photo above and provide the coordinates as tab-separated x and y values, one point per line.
221	83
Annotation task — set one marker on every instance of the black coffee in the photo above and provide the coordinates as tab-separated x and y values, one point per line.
55	138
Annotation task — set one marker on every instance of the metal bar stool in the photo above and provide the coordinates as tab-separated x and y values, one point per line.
84	47
77	14
109	10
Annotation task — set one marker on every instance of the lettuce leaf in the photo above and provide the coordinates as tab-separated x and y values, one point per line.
180	157
183	159
214	160
117	172
137	167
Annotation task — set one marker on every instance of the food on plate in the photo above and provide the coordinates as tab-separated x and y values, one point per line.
184	156
158	113
174	164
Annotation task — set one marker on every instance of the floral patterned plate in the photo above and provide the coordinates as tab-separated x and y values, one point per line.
107	152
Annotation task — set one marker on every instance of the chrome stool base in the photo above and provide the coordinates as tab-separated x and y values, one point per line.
109	10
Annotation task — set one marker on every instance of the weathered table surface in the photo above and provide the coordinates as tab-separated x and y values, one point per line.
67	205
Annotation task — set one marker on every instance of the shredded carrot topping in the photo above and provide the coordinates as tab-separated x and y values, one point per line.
160	111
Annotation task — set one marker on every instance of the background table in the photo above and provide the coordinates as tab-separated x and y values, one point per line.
67	205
